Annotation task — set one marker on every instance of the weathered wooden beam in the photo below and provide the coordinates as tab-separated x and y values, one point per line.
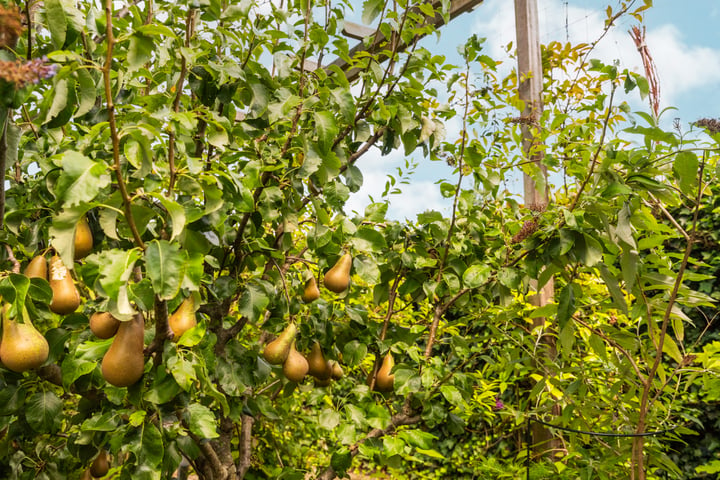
356	31
457	7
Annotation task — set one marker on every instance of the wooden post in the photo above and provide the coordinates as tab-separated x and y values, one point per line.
530	77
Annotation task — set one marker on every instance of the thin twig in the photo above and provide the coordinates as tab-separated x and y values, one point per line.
113	127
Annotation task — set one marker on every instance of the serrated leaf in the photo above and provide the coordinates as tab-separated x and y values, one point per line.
253	302
165	266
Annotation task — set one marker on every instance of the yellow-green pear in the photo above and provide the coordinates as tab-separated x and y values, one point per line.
337	278
37	268
384	380
336	370
311	292
277	351
66	298
22	347
83	239
183	319
124	362
295	366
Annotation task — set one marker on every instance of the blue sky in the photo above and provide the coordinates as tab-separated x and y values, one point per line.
683	38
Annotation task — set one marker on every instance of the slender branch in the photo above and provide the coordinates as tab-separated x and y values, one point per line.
3	163
189	28
390	310
162	331
11	257
596	155
113	127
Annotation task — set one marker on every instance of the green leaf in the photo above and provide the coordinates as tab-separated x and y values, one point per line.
354	352
371	9
327	130
165	266
152	451
341	461
43	412
139	51
73	368
566	305
452	395
82	180
182	371
476	275
115	267
253	302
56	22
85	91
367	239
613	287
685	168
176	212
329	419
201	420
418	438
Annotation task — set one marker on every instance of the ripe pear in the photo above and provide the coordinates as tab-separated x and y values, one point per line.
37	268
83	239
384	380
277	351
86	475
336	370
22	347
318	366
295	366
103	325
311	291
66	298
337	278
183	319
101	465
124	362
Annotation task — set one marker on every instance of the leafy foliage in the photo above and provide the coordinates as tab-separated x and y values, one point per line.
209	161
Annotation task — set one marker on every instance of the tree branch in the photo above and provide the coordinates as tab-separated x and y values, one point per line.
113	127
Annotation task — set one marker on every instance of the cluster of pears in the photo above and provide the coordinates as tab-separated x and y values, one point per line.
295	366
337	280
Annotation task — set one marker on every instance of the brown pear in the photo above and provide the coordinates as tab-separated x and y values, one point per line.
83	239
384	380
37	268
277	351
295	366
86	475
336	370
66	298
22	347
318	366
183	319
124	362
103	325
337	278
101	465
311	291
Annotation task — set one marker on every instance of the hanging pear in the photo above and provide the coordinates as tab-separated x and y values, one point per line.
384	380
83	239
295	366
22	347
277	351
337	278
124	362
183	319
103	325
37	268
311	291
86	475
66	298
318	366
101	465
336	370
